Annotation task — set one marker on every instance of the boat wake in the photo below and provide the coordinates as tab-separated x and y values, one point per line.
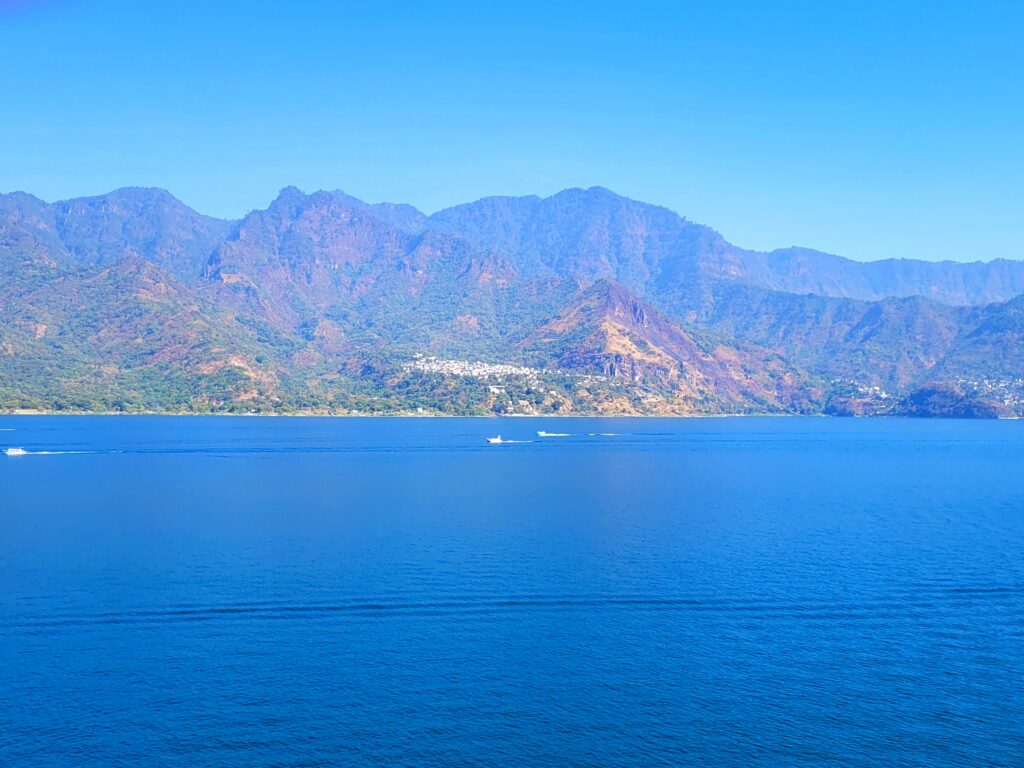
23	452
59	453
499	440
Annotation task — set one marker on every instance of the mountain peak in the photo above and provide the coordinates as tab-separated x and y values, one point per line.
288	197
22	198
138	222
141	199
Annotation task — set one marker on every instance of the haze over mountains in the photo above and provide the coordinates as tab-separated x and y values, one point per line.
583	302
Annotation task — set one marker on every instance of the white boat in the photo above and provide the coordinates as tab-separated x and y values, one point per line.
16	452
542	433
499	440
495	440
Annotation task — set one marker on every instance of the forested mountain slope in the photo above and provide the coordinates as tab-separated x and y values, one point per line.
584	301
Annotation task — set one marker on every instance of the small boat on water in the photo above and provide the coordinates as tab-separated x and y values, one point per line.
542	433
499	440
16	452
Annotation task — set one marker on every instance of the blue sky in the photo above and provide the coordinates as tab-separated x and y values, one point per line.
872	130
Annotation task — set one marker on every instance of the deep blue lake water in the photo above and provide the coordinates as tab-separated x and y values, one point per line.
334	592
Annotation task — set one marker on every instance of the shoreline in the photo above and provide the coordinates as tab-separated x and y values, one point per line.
186	414
429	415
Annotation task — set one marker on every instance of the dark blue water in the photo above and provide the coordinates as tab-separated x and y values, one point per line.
318	592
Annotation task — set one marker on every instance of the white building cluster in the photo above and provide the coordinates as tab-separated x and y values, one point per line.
474	370
494	372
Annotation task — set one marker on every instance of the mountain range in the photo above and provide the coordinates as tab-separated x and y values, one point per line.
582	302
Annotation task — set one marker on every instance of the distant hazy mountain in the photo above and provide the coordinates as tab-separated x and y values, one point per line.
590	301
597	233
888	343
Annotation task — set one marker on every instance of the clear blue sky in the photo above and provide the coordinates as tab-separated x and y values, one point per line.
867	129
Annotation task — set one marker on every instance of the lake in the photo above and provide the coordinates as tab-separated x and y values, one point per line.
179	591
